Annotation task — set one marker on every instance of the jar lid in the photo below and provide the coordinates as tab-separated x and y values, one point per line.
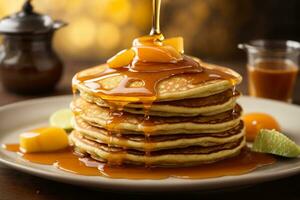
28	21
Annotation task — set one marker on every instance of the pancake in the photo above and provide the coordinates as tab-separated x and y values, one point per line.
179	86
157	142
151	105
132	123
192	155
210	105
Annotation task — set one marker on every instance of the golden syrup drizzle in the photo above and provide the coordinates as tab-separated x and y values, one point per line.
149	80
147	129
156	18
148	74
66	160
145	94
115	118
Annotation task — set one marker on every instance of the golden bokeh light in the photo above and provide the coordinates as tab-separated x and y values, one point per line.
99	28
74	6
108	36
43	6
97	9
142	15
12	6
118	11
128	34
95	26
81	33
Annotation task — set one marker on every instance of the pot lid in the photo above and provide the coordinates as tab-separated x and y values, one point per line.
28	21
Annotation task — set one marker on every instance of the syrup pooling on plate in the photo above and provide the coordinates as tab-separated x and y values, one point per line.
66	160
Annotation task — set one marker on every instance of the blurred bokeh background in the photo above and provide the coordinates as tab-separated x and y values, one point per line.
211	28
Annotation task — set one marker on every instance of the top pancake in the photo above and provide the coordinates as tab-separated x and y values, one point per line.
180	86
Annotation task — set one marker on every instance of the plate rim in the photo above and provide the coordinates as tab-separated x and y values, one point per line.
143	184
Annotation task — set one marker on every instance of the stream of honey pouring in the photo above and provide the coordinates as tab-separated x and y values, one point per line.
148	74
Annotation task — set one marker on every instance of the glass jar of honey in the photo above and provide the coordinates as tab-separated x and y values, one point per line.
272	68
28	63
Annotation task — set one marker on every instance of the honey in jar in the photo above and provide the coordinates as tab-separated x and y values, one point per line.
272	79
272	68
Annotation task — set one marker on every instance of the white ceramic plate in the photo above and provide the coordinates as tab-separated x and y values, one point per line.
22	116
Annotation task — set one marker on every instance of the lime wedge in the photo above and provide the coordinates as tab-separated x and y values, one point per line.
274	142
62	119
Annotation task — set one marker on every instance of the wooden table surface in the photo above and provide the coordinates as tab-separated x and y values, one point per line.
17	185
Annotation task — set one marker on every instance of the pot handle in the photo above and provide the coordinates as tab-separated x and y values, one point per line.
59	24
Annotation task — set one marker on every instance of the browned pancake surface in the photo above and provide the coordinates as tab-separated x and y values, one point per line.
159	138
86	108
186	150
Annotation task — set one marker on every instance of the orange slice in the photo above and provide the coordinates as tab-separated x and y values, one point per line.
176	42
123	58
162	54
254	122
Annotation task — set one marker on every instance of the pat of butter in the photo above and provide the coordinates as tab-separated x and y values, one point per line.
43	140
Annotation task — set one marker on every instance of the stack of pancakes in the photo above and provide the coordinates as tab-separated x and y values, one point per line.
187	124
